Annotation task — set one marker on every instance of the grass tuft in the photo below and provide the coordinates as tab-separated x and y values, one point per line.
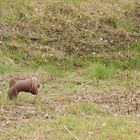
83	109
101	71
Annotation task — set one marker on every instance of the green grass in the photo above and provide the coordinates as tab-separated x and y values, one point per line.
84	119
83	109
111	21
10	68
85	47
92	128
134	54
53	70
13	10
136	45
129	26
101	71
72	27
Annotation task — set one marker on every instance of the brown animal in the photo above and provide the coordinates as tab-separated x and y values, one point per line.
28	85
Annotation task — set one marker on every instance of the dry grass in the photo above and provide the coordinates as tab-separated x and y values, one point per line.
86	110
80	45
101	30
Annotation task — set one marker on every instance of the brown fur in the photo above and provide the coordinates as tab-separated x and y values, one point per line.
28	85
12	82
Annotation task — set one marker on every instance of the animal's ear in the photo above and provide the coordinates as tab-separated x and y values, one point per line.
34	77
12	82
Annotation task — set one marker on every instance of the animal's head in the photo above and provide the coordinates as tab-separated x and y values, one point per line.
36	81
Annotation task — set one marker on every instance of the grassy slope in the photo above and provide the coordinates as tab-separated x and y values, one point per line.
70	39
106	31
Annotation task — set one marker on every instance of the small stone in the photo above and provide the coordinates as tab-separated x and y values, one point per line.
46	116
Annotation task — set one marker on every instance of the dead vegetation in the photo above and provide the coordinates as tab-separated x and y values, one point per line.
63	99
116	101
77	29
84	46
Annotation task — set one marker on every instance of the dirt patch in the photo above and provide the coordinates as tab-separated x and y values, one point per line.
117	102
15	112
11	115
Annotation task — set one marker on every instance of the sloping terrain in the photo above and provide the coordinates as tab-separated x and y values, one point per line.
106	31
85	55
